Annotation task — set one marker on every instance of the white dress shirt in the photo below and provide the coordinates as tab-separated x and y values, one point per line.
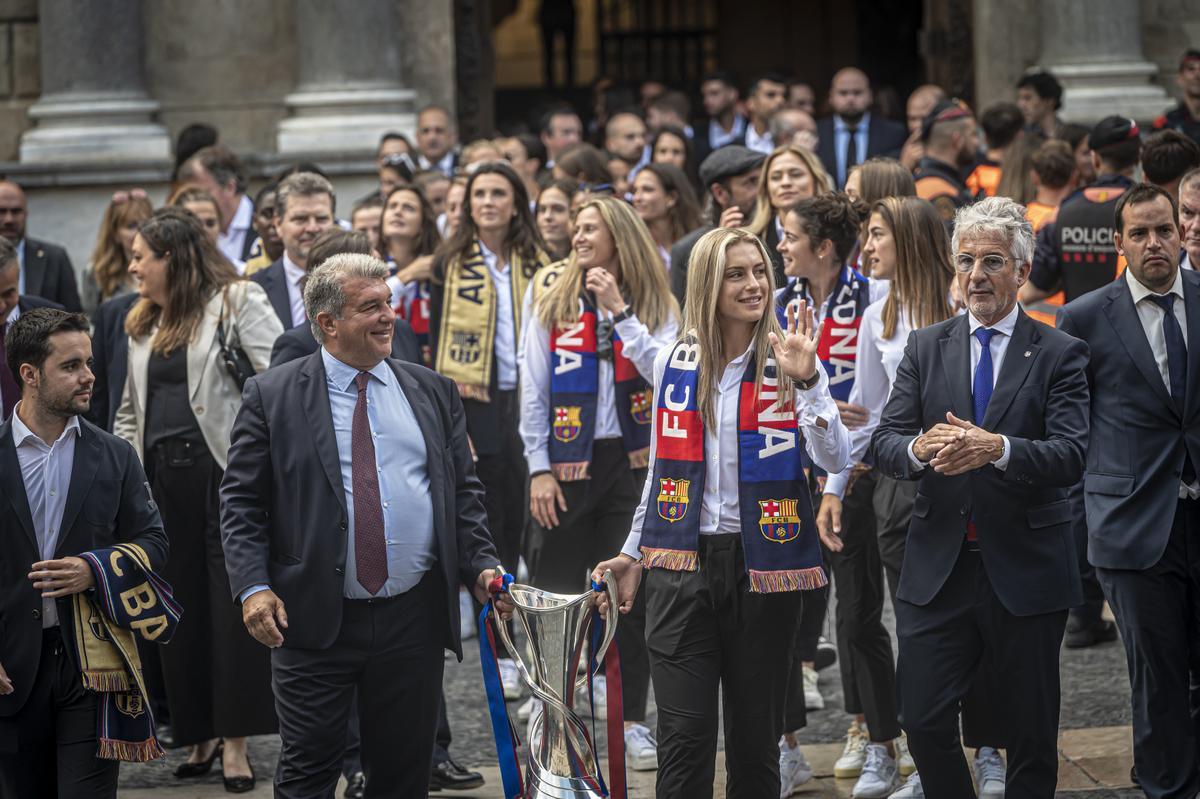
233	240
445	165
718	137
46	471
505	344
1151	316
294	275
21	265
764	144
638	344
998	347
828	447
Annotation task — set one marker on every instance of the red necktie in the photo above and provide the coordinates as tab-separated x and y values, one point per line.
370	551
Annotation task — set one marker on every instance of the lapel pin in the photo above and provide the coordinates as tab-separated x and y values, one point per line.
1028	353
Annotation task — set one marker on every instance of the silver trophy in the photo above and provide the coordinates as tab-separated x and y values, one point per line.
564	765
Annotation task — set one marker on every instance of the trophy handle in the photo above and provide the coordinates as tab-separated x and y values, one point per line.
610	621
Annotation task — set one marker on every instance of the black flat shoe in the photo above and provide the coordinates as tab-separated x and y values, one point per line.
450	776
241	784
188	770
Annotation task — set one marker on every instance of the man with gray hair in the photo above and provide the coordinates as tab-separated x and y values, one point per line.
989	411
350	514
304	206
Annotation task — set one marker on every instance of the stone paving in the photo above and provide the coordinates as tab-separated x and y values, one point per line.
1095	740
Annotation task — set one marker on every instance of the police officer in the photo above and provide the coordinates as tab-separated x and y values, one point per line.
1185	117
951	145
1076	252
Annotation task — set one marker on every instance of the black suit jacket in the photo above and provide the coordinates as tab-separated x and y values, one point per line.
283	506
108	502
273	279
1022	515
884	137
1138	435
110	358
299	341
28	302
49	274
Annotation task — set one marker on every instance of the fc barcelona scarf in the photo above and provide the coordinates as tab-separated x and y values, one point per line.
844	309
779	534
414	309
467	337
130	602
574	390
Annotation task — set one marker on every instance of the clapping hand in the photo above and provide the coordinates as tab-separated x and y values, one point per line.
796	354
973	447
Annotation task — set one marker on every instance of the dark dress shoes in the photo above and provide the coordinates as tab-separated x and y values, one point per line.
1082	636
188	770
241	784
450	776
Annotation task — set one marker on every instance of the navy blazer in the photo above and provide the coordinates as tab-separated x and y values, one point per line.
299	341
1022	515
110	358
49	274
295	540
1138	435
273	279
884	137
108	501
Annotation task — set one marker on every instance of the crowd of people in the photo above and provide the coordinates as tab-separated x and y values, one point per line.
740	361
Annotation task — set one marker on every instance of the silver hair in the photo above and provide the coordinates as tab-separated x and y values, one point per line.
996	216
325	286
302	184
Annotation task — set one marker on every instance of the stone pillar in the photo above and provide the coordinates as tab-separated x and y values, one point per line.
1094	48
349	91
94	106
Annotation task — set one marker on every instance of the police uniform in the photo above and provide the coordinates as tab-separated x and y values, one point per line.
942	185
984	178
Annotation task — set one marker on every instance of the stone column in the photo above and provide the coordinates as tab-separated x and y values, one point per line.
349	90
1094	48
94	106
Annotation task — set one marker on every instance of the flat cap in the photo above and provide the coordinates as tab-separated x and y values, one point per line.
730	160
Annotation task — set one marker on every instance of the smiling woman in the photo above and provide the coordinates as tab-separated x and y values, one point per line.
789	175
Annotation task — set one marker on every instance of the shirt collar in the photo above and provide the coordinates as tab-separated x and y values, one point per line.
1140	292
490	258
21	432
1005	325
243	217
294	273
840	125
342	374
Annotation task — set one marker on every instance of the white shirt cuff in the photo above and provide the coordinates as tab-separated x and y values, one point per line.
632	546
538	461
836	484
251	591
1002	463
912	457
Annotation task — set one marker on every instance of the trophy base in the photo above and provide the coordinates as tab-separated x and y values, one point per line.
551	786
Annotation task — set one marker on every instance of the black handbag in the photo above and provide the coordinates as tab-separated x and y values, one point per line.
237	363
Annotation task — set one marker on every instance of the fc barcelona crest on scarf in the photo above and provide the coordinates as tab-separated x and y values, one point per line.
566	422
673	498
464	347
779	521
639	406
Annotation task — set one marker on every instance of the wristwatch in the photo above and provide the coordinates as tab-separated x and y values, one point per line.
805	385
626	313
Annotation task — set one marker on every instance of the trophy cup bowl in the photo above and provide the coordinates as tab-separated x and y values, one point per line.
564	765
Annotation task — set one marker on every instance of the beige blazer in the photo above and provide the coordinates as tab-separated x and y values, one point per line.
250	320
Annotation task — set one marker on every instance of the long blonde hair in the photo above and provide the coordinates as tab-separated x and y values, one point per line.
764	213
706	274
110	265
642	272
921	283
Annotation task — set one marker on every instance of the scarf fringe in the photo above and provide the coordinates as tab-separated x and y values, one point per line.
130	751
568	472
639	458
473	392
106	681
676	560
764	582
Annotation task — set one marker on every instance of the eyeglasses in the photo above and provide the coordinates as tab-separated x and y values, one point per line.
992	264
122	197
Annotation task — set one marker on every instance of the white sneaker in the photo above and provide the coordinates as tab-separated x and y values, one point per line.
879	776
794	770
599	699
911	789
904	760
526	709
510	678
641	750
812	695
989	773
467	621
850	764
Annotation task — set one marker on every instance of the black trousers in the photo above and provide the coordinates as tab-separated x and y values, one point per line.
1158	613
217	677
709	636
942	645
864	646
505	475
809	625
593	528
352	761
1087	614
390	650
49	747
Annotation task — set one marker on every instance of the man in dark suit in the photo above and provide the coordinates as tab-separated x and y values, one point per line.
304	206
853	134
46	269
110	351
990	568
12	305
67	487
368	558
1140	489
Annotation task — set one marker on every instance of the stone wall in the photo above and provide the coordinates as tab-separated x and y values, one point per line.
20	81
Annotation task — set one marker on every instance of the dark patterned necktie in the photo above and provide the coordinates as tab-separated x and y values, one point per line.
370	551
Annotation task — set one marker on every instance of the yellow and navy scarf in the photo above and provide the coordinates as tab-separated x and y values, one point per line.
467	335
779	533
130	602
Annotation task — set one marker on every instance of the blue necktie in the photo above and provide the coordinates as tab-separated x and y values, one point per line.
1176	365
982	387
